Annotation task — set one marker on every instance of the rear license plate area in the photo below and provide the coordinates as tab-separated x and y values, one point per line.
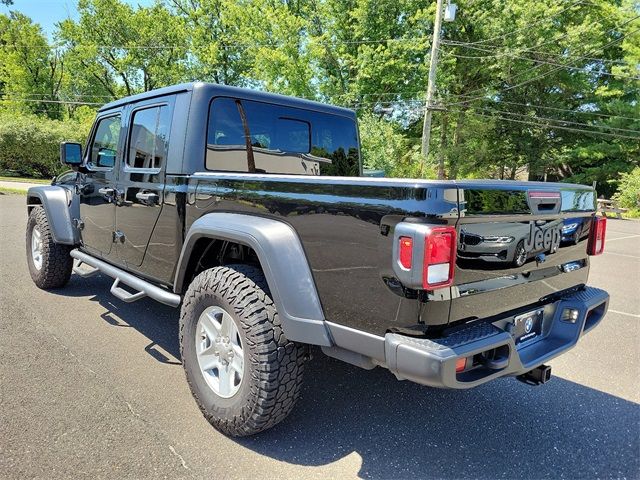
526	327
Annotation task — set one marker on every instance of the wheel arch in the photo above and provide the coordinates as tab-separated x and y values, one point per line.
282	260
58	203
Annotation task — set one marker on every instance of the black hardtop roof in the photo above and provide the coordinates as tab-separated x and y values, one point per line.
211	89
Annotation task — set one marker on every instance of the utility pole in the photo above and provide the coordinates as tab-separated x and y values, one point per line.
426	126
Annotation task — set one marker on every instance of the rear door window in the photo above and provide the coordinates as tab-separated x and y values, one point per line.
257	137
148	141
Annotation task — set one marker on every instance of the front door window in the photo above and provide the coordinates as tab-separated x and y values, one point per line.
105	143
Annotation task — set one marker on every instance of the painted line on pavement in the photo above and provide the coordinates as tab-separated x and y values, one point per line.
621	238
621	254
624	313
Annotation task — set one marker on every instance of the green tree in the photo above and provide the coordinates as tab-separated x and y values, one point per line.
119	50
628	193
30	71
548	77
217	45
549	88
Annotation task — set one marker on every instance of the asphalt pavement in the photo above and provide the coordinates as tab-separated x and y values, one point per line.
91	387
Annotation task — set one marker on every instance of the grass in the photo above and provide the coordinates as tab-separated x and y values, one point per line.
632	213
43	181
12	191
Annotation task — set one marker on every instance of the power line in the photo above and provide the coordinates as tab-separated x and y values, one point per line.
556	108
553	127
355	98
420	102
62	95
569	122
558	68
553	70
558	120
543	62
493	48
7	99
189	48
358	103
507	119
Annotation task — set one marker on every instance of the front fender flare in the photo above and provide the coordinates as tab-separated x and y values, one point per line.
283	262
59	204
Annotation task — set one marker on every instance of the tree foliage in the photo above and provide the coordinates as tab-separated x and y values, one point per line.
628	194
545	89
28	67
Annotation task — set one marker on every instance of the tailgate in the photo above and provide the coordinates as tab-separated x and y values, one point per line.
519	243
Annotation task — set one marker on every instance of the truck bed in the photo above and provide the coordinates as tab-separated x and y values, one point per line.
346	227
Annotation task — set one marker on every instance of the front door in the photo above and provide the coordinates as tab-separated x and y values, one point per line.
141	181
97	188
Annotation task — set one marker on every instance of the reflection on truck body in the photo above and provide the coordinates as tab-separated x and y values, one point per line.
513	243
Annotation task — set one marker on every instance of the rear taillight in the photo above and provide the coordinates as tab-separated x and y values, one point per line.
439	257
596	236
405	252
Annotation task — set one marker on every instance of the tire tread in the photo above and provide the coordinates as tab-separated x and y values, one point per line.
57	263
278	362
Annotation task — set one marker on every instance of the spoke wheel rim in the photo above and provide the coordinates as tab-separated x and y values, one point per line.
219	351
36	248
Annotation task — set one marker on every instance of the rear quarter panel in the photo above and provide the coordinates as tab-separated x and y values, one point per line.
346	228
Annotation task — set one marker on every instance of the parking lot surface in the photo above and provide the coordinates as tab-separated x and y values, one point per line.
91	387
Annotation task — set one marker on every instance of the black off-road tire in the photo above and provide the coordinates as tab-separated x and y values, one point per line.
56	261
273	365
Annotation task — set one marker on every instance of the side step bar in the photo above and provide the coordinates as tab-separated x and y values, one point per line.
144	288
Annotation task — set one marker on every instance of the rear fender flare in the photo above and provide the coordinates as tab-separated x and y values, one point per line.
283	261
60	205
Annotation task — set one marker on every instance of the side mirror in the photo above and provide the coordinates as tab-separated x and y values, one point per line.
71	154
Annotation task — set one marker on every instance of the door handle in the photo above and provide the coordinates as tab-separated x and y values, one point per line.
148	197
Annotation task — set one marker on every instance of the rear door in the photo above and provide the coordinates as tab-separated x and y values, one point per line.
142	177
517	245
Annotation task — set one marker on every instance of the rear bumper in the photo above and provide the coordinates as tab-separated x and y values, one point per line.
433	362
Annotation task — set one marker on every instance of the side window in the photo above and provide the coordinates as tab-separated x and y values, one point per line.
148	138
226	145
105	143
282	139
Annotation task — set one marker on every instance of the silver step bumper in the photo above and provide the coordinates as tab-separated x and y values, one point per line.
433	362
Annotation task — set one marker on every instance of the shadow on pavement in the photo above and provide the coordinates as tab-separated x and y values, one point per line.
400	430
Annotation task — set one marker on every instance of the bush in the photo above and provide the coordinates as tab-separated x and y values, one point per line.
30	145
628	193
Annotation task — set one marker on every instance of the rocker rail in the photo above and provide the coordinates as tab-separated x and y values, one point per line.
144	288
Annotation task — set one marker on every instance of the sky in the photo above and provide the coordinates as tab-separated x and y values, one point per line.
49	12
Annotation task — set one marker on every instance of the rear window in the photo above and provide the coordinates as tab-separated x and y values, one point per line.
257	137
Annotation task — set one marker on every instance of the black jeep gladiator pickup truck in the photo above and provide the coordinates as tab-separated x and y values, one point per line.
251	212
